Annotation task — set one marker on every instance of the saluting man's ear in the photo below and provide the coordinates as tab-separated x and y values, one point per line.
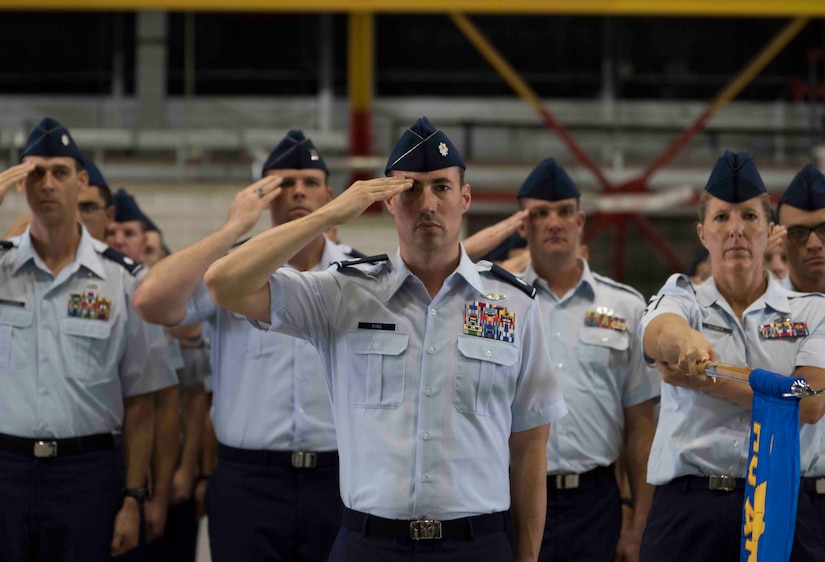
83	179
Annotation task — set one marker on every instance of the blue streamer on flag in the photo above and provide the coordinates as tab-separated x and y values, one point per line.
772	489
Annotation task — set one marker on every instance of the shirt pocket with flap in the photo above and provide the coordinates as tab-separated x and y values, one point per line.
85	349
377	368
482	369
16	337
598	345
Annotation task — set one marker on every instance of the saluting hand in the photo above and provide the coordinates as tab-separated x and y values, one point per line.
251	201
9	178
776	239
360	195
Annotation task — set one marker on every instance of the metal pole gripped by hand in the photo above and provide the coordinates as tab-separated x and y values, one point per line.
714	369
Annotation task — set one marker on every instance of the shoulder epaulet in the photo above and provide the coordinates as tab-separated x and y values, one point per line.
356	254
366	259
615	284
683	281
131	265
6	244
520	284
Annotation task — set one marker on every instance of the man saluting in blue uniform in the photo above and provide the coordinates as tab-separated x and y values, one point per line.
73	364
436	367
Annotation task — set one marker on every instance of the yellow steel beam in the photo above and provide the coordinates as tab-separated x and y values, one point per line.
514	80
360	67
740	8
758	63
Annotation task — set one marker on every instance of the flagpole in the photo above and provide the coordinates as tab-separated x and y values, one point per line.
799	389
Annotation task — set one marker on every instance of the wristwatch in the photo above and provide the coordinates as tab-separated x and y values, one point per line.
140	494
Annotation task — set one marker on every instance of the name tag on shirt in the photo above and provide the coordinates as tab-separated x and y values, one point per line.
713	328
12	303
376	326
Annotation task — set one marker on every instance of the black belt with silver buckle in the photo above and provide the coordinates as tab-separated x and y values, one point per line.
586	479
815	485
716	482
48	448
424	529
295	459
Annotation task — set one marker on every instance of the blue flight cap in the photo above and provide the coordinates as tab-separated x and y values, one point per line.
735	178
423	148
126	208
295	152
806	191
95	177
149	225
550	182
51	139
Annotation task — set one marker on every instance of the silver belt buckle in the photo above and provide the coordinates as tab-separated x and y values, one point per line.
820	485
301	459
722	482
425	529
567	481
45	449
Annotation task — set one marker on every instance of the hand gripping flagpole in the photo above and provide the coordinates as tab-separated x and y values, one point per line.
799	389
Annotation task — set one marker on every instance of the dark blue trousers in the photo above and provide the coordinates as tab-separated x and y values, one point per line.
59	509
352	546
583	524
180	538
272	512
689	523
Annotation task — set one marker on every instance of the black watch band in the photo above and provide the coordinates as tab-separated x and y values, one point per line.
140	494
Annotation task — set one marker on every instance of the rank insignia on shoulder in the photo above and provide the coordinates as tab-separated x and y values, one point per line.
131	265
367	259
784	328
604	318
520	284
489	321
89	306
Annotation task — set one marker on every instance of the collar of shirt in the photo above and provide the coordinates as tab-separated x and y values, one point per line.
586	287
775	297
788	284
466	269
85	256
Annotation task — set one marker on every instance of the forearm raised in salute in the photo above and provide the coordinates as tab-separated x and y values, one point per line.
239	281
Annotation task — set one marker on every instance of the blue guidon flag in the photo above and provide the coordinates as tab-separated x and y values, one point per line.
772	488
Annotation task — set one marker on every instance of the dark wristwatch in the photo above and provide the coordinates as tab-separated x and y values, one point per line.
140	494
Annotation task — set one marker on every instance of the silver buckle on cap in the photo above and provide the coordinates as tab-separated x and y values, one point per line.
820	485
301	459
567	481
722	482
425	529
45	449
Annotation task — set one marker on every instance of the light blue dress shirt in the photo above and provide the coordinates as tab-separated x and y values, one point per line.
812	436
601	370
268	392
423	411
63	374
699	434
